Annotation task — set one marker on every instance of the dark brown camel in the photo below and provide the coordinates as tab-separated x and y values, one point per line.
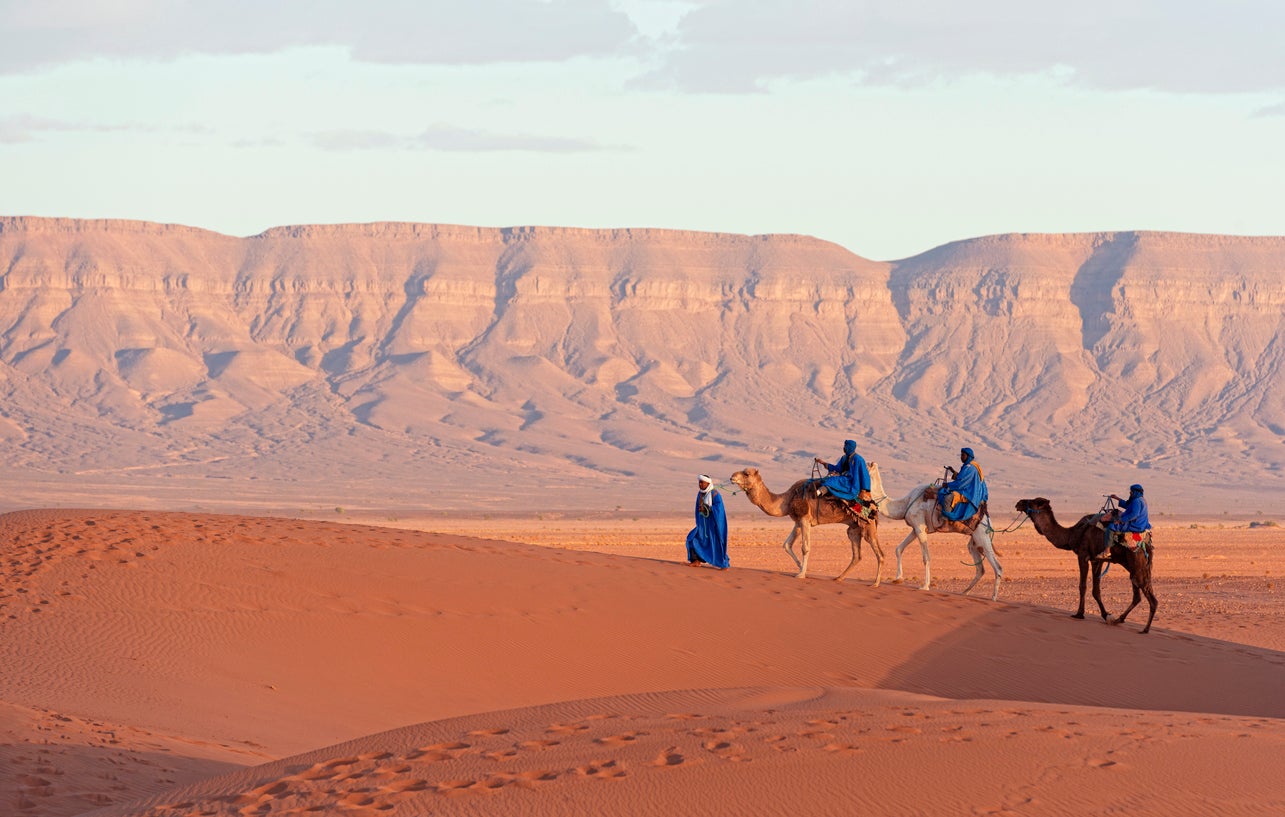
1085	540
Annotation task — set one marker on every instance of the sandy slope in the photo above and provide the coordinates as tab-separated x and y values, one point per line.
144	650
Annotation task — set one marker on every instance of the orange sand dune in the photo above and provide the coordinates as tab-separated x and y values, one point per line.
772	751
183	645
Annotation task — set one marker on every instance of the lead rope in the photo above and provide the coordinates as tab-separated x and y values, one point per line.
1012	526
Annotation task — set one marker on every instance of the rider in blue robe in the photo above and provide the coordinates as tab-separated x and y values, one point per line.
1130	523
1133	512
707	542
850	476
962	497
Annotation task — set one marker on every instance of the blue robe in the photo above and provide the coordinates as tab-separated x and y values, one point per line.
707	542
967	491
1133	516
851	474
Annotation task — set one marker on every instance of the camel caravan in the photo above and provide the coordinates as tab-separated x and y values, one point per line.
850	492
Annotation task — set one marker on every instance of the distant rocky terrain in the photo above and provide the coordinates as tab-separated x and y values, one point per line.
424	365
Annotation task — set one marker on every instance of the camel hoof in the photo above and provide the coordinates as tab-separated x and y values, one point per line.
1145	631
926	587
897	580
1077	615
800	575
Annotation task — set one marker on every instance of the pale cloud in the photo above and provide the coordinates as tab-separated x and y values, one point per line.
17	129
25	128
446	137
1271	110
452	138
430	32
356	140
1167	45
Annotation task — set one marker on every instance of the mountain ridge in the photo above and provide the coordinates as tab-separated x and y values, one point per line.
613	358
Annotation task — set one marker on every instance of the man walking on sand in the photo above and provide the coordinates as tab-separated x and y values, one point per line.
707	542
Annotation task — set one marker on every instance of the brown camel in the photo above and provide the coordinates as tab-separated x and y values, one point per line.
808	511
1085	540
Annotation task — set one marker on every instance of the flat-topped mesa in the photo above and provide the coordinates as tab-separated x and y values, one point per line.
119	226
398	230
613	343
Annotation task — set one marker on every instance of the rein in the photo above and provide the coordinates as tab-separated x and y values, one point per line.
723	486
1025	517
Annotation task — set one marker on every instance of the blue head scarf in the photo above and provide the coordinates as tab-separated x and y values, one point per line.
849	446
1135	489
968	454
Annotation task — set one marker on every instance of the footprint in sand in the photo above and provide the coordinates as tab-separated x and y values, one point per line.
726	750
538	744
669	757
623	739
438	752
602	770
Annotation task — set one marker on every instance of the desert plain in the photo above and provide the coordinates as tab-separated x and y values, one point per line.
166	663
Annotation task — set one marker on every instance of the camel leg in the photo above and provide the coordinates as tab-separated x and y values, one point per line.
871	535
922	535
854	536
1137	597
995	567
975	554
789	546
1151	600
980	547
1084	575
904	542
1097	593
805	534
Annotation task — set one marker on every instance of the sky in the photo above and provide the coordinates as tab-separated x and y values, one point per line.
887	126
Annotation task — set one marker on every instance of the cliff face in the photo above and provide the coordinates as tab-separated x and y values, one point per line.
546	361
1151	347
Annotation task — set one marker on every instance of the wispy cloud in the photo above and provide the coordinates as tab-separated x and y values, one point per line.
356	140
428	32
1167	45
1271	110
25	128
451	138
445	137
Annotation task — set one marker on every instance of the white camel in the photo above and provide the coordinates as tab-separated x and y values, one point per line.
923	518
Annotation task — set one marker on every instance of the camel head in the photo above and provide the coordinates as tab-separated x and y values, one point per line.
1033	506
744	478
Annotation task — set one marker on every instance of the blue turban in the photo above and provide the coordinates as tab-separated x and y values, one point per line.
967	452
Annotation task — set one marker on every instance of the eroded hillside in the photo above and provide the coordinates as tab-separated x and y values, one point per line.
596	368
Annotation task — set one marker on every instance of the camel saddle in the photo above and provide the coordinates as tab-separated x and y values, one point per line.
860	510
964	526
1135	541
